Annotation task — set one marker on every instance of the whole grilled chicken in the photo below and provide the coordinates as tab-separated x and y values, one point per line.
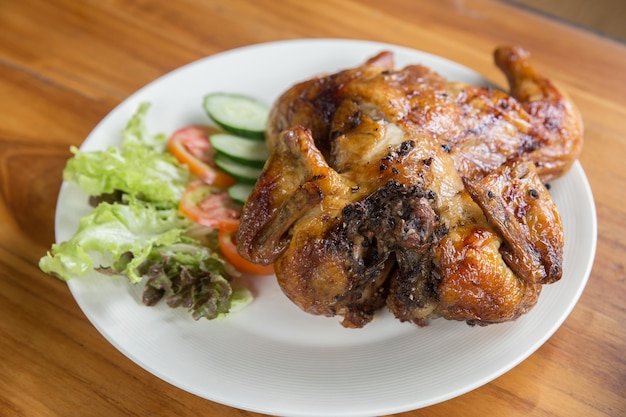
399	188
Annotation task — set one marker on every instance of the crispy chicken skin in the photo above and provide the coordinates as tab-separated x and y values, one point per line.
399	188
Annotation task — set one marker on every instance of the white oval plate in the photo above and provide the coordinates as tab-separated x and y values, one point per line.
271	357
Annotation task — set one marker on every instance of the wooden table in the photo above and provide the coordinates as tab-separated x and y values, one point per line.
65	64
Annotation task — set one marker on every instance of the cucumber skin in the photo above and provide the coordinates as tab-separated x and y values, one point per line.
242	161
224	161
234	191
258	163
247	133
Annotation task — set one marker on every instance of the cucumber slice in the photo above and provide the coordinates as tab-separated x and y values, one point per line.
238	114
243	173
240	192
242	150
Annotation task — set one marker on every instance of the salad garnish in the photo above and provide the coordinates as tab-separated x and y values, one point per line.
163	217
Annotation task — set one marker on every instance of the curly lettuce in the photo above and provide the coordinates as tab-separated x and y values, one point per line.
123	236
139	167
136	231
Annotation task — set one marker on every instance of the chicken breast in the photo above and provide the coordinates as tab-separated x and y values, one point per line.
399	188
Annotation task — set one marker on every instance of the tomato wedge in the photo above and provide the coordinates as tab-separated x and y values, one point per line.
190	146
230	252
210	206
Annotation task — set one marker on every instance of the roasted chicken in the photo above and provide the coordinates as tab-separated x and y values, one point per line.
402	189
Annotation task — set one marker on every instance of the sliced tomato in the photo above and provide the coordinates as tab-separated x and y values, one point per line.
210	206
231	254
190	146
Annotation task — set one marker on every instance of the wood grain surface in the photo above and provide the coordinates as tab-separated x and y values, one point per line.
65	64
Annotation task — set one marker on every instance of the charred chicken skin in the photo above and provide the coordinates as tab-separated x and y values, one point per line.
402	189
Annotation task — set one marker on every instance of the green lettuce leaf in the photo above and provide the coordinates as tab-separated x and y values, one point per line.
138	168
110	234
